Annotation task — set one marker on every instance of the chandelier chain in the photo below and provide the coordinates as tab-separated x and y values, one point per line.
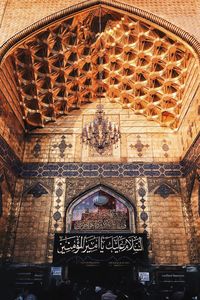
100	134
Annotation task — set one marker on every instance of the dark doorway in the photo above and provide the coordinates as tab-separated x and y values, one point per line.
102	274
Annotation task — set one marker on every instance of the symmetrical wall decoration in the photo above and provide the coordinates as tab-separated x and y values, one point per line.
62	146
123	186
141	192
37	188
139	146
164	190
101	170
143	68
165	148
58	204
56	221
163	186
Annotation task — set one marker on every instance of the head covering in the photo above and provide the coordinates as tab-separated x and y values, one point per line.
97	289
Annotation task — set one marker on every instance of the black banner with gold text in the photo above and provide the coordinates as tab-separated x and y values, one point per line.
100	247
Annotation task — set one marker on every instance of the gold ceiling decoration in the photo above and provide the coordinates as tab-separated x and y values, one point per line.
70	63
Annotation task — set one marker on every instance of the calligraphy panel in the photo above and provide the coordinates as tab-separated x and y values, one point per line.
100	211
100	247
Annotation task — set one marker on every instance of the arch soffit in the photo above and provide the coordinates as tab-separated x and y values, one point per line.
74	9
165	110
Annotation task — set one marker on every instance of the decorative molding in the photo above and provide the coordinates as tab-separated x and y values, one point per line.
101	170
56	222
125	187
142	198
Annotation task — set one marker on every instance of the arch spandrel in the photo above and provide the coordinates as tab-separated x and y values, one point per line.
144	67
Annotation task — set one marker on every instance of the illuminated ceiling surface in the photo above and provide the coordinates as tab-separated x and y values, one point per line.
101	53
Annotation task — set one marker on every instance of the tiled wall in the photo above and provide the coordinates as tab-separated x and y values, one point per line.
169	239
68	148
190	127
33	223
11	123
4	218
195	204
157	201
141	140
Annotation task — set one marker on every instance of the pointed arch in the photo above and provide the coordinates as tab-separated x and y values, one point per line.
104	201
74	9
60	47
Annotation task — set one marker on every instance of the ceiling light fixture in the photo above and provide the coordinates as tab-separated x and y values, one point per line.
100	134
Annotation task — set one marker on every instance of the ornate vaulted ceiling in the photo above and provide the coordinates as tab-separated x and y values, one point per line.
101	53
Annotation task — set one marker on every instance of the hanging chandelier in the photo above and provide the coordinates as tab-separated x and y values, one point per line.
100	134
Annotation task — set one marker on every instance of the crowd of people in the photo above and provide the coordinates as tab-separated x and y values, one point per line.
66	290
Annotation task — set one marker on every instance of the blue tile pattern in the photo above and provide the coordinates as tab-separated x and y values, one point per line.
103	170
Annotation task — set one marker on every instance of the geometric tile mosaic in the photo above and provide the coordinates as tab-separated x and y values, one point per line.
101	169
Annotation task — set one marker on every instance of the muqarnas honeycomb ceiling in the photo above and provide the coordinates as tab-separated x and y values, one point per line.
101	53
